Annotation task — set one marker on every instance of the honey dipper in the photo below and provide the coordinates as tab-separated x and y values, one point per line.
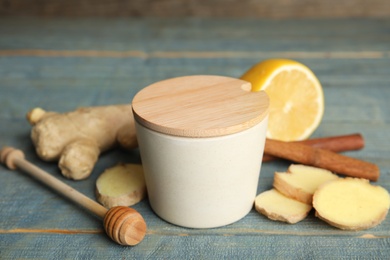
124	225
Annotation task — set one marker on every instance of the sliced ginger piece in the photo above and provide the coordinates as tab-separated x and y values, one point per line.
351	203
301	181
121	185
276	206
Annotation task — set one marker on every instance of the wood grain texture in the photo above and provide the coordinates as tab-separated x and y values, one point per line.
350	57
200	106
214	8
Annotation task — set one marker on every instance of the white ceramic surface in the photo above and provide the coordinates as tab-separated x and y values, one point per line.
202	182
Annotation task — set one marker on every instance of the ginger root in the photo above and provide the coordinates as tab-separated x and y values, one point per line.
301	181
351	203
345	203
77	138
276	206
121	185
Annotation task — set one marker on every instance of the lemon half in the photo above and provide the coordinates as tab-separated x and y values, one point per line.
296	95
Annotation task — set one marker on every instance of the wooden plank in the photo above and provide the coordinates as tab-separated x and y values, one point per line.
216	8
37	223
213	38
200	247
117	81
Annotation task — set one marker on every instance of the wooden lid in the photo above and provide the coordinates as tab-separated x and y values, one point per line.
200	106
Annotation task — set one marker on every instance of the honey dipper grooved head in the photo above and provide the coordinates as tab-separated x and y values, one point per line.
125	225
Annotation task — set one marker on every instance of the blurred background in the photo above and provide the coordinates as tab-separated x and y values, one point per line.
64	54
277	9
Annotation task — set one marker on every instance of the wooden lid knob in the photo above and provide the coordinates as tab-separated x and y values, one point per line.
200	106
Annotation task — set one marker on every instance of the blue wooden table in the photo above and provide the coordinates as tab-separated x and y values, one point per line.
61	64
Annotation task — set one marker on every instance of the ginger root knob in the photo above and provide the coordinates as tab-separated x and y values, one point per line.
76	138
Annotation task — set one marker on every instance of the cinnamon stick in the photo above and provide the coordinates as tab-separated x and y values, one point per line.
336	144
321	158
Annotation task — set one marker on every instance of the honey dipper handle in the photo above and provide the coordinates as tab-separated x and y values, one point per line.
322	158
15	159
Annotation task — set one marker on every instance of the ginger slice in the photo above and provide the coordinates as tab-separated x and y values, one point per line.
351	203
121	185
276	206
301	181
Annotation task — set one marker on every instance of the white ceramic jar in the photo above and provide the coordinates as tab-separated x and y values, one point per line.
201	140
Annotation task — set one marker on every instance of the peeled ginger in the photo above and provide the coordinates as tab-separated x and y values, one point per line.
301	181
351	203
121	185
278	207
